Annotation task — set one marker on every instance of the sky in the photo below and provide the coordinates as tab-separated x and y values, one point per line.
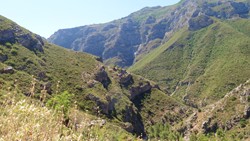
44	17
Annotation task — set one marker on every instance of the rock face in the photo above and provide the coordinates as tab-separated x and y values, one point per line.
105	108
131	115
247	112
3	57
32	43
15	34
102	76
138	90
199	22
120	42
7	36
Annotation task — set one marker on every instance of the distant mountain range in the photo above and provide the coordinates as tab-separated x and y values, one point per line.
123	42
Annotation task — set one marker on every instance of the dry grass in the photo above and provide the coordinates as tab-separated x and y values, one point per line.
23	121
29	120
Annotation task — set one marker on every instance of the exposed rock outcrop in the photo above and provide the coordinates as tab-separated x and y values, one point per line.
138	90
32	43
133	116
199	22
102	76
247	112
106	106
8	69
15	34
7	36
119	42
3	57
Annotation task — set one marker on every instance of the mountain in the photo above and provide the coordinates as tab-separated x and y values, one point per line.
198	51
120	42
188	77
190	48
200	65
32	69
123	42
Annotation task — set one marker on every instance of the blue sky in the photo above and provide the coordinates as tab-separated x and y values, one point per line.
44	17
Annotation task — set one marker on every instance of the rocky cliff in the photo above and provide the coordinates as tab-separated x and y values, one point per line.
124	41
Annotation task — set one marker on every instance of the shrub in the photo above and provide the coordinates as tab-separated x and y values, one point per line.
233	98
8	45
161	131
13	52
61	102
220	133
243	123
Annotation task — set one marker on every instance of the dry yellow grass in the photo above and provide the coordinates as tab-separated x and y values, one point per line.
23	121
29	120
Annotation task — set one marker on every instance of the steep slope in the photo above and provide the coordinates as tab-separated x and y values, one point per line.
228	118
201	66
123	42
120	41
32	67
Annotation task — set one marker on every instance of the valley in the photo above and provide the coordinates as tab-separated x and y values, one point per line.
178	72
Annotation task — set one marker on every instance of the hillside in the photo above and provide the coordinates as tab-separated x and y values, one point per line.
31	68
200	67
188	77
125	41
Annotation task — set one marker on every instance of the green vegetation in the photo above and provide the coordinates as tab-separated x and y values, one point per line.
51	93
161	131
27	119
198	64
60	102
59	77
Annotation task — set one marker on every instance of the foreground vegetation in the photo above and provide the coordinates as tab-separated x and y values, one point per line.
24	118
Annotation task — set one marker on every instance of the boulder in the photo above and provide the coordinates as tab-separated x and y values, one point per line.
247	112
8	69
209	127
128	127
48	88
42	75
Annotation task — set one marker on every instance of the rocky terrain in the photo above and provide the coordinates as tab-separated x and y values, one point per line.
30	67
123	42
188	76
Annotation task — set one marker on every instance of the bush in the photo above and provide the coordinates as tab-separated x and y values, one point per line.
161	131
233	98
8	45
13	52
220	133
61	102
243	123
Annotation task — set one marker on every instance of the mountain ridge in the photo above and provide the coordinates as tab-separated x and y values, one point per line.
123	42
